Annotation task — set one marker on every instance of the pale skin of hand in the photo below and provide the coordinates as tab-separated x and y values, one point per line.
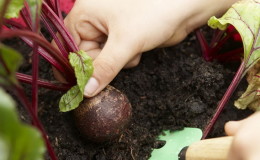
246	143
116	32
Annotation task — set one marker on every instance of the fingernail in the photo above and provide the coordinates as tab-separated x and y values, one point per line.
91	87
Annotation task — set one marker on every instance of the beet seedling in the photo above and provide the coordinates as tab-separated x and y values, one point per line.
66	58
245	17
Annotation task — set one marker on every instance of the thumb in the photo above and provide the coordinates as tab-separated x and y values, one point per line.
113	57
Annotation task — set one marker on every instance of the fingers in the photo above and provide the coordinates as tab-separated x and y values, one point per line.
232	127
113	57
246	142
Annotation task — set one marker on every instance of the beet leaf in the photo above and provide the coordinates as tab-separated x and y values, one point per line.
251	97
10	60
71	99
17	140
82	64
245	17
13	8
83	68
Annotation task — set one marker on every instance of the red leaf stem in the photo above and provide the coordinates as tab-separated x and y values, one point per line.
43	83
26	16
233	55
69	74
58	10
216	37
50	4
35	75
23	99
54	36
15	24
237	78
35	62
46	56
60	27
204	45
219	44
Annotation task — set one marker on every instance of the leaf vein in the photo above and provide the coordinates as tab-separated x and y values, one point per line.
66	104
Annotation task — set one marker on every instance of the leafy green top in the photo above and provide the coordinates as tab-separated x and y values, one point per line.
17	140
83	68
245	17
13	9
12	61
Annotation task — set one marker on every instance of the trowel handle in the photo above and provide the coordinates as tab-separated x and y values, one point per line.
207	149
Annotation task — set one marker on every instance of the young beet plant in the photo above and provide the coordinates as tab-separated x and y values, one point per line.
245	17
75	65
106	114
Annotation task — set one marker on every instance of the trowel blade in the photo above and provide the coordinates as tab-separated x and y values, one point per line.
175	141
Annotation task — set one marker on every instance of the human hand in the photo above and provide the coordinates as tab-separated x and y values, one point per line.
246	143
116	32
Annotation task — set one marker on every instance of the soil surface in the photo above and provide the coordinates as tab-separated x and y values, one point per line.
170	89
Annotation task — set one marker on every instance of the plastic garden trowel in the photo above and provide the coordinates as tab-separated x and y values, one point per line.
186	145
175	142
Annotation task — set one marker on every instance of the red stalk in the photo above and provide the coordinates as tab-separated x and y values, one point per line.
58	10
46	10
45	55
42	83
217	36
237	78
50	4
35	65
35	75
220	44
232	55
204	46
26	16
54	36
46	46
36	122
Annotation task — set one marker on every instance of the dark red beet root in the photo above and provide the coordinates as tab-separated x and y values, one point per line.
104	116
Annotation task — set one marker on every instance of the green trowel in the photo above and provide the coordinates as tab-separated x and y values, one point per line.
186	145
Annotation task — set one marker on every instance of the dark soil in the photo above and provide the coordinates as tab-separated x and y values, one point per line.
170	89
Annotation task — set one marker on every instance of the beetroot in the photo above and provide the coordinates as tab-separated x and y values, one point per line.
103	117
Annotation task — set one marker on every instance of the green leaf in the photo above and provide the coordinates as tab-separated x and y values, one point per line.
12	60
251	98
17	140
71	99
13	9
83	68
245	17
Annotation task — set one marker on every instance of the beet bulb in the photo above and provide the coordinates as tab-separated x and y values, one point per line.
103	117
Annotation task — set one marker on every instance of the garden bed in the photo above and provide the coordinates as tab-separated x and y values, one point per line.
170	89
